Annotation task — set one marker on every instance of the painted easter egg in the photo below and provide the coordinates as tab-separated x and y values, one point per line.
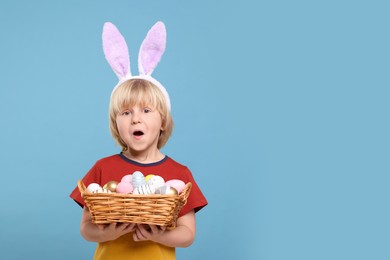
147	177
156	181
127	178
102	190
92	187
144	189
166	190
138	179
111	185
124	188
179	185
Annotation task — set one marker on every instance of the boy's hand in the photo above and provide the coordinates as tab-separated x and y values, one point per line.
147	232
114	230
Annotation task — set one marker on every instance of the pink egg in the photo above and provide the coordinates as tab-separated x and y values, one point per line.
179	185
124	187
127	178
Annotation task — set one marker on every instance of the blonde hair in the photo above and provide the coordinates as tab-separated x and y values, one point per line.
139	91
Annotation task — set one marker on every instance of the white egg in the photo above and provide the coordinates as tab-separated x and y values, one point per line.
92	187
102	190
144	189
99	190
156	181
166	190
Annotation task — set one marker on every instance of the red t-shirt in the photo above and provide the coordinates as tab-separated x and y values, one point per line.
114	167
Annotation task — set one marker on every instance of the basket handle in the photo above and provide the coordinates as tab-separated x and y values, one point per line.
186	192
81	186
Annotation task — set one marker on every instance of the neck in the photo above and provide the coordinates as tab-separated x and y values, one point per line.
150	157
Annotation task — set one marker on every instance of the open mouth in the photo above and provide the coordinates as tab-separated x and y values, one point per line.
138	133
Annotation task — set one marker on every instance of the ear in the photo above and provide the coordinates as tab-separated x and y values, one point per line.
116	51
152	49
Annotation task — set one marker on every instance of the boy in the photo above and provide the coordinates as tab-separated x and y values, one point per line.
141	123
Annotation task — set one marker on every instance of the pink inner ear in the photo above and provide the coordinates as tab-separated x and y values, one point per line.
115	50
152	49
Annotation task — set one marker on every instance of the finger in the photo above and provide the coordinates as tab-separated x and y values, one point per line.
145	227
112	226
163	228
132	227
138	235
154	229
157	229
101	227
122	226
140	227
128	227
135	237
142	233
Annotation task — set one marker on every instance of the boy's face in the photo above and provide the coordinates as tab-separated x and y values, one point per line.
139	127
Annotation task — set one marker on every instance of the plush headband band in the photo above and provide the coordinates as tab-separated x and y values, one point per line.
152	48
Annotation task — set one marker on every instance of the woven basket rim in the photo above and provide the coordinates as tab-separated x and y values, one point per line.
83	191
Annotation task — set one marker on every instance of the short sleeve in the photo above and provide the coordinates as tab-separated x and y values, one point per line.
93	175
196	200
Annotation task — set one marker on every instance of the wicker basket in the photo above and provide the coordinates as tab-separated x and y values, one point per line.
155	209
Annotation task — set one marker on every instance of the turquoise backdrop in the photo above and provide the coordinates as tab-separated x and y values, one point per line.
281	111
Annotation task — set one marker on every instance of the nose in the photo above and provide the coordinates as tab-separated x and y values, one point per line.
136	119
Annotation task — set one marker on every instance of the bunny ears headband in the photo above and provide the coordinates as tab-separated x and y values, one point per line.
152	48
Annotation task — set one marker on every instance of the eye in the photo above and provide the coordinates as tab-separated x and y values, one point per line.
147	110
125	113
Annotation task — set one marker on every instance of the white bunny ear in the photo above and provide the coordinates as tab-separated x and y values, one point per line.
152	49
116	51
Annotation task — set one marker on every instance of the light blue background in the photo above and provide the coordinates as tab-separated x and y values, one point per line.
281	112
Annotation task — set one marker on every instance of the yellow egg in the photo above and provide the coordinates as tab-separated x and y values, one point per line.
111	186
148	177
